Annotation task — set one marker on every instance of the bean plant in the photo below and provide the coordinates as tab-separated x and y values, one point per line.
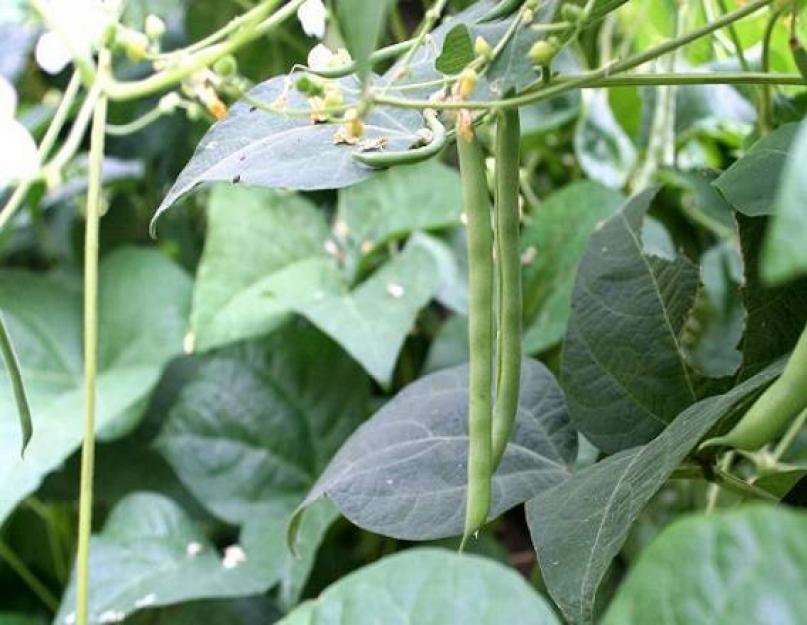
439	311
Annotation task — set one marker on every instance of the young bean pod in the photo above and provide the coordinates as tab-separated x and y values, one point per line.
480	322
508	372
775	409
381	160
501	10
799	56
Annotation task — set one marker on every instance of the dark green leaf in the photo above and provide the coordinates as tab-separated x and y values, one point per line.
623	369
427	587
255	147
144	301
252	611
744	567
458	51
403	473
553	243
751	184
785	252
258	422
579	526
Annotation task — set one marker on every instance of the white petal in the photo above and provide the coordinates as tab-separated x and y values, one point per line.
18	158
51	53
8	99
312	18
319	57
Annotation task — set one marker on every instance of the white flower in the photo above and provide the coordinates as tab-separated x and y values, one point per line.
77	28
320	57
18	158
234	556
312	18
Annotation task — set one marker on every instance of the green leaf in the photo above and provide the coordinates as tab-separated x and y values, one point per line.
393	204
785	253
370	322
624	370
427	587
458	51
579	526
601	8
151	554
9	618
258	422
744	567
258	148
251	233
12	367
403	473
554	241
450	346
776	316
144	301
602	147
361	24
752	182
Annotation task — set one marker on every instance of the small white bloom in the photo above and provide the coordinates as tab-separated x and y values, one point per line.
70	619
320	57
52	54
395	290
234	555
193	549
312	18
19	158
112	616
8	99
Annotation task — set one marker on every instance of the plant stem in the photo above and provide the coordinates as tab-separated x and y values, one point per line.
60	116
741	487
765	104
96	158
12	365
145	120
787	440
205	57
27	575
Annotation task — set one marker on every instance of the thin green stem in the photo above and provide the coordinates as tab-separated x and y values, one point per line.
60	116
203	58
16	564
787	440
136	125
429	20
379	56
12	367
765	102
94	181
735	38
741	487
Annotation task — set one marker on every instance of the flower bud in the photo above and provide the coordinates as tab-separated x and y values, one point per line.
482	48
467	83
155	27
226	66
542	52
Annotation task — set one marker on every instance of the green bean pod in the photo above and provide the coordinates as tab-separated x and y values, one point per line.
15	377
768	417
799	56
501	10
480	325
508	371
382	160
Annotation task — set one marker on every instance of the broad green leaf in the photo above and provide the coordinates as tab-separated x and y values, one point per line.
710	108
548	115
701	203
744	567
144	301
579	526
9	618
259	148
252	611
427	587
251	233
403	473
450	347
370	322
751	183
601	8
602	147
393	204
785	252
151	554
458	51
624	370
553	243
361	24
259	421
776	316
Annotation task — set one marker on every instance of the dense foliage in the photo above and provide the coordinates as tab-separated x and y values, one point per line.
274	350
